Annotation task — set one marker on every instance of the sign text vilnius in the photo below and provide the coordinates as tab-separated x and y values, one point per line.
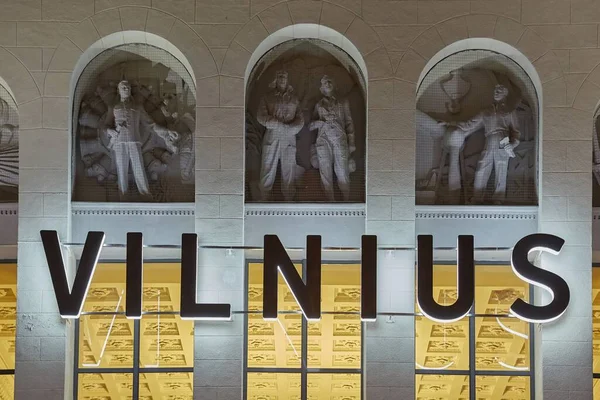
307	291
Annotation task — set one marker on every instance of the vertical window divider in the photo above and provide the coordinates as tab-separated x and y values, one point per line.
76	360
136	359
304	346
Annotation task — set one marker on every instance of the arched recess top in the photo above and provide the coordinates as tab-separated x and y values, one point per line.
6	86
306	31
491	45
126	37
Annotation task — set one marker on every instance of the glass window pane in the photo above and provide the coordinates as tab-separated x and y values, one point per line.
162	287
596	317
335	341
276	386
105	341
166	341
7	387
596	389
447	387
104	386
496	288
273	344
107	289
502	387
167	385
501	344
333	386
8	315
442	346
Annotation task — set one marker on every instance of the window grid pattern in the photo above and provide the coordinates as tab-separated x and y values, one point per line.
304	375
133	359
475	383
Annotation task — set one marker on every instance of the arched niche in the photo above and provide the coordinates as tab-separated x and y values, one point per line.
459	159
9	146
142	149
596	160
281	139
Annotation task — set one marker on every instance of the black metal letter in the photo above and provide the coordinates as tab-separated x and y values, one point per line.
368	275
466	280
70	303
135	271
308	296
189	308
547	280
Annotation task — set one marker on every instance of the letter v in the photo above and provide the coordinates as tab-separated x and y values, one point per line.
70	303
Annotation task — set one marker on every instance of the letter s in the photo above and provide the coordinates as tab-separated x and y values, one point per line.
558	288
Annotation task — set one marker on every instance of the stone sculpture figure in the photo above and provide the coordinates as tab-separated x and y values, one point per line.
126	121
335	140
279	112
9	148
501	137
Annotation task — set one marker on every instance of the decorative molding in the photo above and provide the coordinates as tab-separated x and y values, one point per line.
141	209
9	209
477	212
305	210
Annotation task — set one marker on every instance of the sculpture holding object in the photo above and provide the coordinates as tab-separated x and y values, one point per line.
129	126
500	125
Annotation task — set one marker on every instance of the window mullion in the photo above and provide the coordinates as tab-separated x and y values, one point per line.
136	359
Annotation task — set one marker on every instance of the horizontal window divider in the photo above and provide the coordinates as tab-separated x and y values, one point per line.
159	370
274	370
7	371
502	373
83	370
462	372
333	371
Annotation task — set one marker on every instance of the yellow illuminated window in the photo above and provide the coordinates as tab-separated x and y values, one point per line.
325	355
146	358
466	354
8	323
596	329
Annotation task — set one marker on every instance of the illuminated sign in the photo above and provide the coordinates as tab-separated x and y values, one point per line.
307	291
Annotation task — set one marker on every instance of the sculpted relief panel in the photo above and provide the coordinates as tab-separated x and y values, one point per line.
305	126
9	148
134	122
476	133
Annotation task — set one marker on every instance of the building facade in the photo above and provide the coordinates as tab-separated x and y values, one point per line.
240	118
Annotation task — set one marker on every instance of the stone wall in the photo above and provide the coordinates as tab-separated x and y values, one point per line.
41	42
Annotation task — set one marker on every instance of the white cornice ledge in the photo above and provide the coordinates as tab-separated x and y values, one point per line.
305	210
145	209
477	212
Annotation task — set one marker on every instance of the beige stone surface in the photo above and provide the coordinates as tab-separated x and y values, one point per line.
399	37
381	93
574	82
404	153
379	208
305	11
548	67
568	36
159	23
222	11
23	10
390	12
434	11
380	155
276	17
555	92
481	26
532	45
31	57
235	61
219	122
391	124
231	92
379	65
428	43
56	84
410	66
579	154
453	30
508	8
508	31
546	12
42	34
363	36
133	18
107	22
67	10
217	35
252	34
65	57
182	9
207	92
336	17
588	96
554	156
208	153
